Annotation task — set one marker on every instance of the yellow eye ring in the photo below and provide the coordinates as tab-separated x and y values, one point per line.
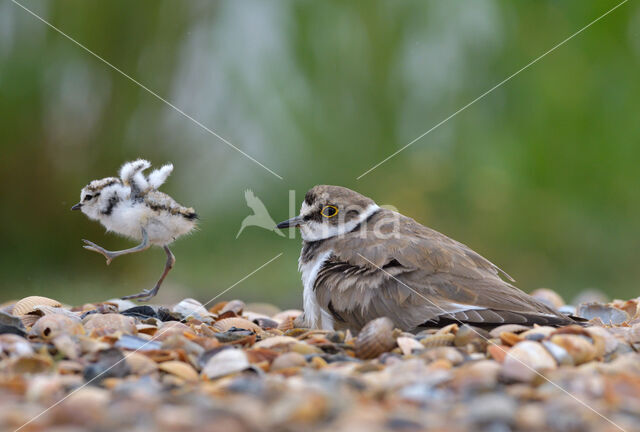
329	211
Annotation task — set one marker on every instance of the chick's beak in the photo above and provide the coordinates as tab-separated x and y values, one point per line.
76	207
291	223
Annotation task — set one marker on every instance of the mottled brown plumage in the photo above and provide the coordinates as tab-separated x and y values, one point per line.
390	265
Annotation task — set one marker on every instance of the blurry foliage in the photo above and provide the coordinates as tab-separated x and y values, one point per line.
541	176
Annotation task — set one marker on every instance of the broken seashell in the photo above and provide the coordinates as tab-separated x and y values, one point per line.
497	352
28	304
375	338
408	345
578	347
140	364
12	345
511	328
472	338
287	324
104	324
453	355
538	333
609	340
510	339
235	306
171	328
51	326
608	314
191	308
525	360
289	313
226	324
179	369
560	354
225	362
287	361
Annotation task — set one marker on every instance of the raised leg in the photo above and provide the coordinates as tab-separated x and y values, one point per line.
110	255
148	294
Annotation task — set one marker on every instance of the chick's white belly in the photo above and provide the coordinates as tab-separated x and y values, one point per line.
162	228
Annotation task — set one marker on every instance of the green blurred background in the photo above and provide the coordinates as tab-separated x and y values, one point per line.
541	176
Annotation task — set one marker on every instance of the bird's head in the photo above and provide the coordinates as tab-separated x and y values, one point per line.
99	196
329	211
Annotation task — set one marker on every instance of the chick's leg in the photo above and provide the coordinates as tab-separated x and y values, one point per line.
148	294
110	255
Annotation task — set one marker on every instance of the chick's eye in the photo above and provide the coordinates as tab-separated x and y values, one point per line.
88	197
329	211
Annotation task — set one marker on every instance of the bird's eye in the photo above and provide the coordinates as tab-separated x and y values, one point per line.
329	211
87	197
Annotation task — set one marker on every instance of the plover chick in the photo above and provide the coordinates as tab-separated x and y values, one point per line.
133	207
360	262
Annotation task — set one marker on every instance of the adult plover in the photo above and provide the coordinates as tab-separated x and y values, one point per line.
133	207
360	261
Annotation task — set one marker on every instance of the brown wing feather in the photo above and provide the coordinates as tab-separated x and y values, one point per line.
425	276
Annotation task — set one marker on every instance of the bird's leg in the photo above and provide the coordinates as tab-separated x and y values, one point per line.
148	294
110	255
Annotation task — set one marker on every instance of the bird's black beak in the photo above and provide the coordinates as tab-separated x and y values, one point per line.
291	223
77	206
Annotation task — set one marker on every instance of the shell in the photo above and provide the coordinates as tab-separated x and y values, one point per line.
171	328
67	346
511	328
104	324
29	319
288	360
578	347
473	339
408	345
28	304
375	338
265	323
276	342
191	308
286	324
225	362
140	364
452	355
179	369
438	340
51	326
525	360
497	352
633	334
538	333
227	324
510	339
560	354
281	316
609	340
608	314
12	345
451	328
548	297
235	306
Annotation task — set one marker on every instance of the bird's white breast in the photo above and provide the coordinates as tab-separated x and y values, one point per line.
129	217
315	316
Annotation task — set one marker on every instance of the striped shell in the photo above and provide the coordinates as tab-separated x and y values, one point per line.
375	338
226	324
438	340
28	304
